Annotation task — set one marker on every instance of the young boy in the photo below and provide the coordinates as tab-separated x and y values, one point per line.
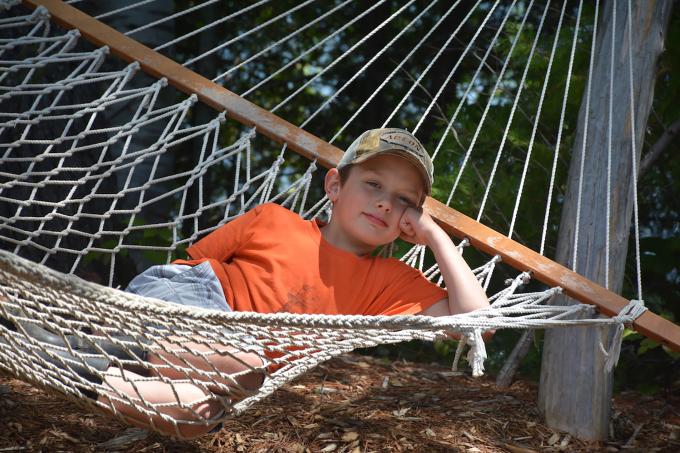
271	260
376	191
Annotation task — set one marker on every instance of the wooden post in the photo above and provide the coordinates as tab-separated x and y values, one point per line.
575	392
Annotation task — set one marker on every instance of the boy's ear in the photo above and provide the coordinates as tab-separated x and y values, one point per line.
332	184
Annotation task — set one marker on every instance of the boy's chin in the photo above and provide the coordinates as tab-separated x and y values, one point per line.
386	242
372	246
377	241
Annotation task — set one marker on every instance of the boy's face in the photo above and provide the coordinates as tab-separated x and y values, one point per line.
368	206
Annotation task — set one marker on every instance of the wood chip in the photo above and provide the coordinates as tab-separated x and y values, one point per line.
448	374
518	449
325	436
401	412
565	441
129	436
350	436
325	390
469	436
63	435
396	383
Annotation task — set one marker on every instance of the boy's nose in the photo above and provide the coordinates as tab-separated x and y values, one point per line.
385	204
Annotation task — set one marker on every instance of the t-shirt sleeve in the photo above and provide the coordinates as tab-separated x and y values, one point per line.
222	243
408	292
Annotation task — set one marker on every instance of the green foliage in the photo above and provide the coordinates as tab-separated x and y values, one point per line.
646	366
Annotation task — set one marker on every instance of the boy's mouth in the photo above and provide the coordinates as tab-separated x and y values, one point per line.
375	220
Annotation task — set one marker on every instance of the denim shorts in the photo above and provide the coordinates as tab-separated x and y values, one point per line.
196	286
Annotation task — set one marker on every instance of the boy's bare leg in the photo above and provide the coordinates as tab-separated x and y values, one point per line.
154	392
244	367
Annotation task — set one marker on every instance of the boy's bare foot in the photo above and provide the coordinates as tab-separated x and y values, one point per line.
174	409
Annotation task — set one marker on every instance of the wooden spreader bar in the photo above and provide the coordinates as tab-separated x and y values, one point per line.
310	146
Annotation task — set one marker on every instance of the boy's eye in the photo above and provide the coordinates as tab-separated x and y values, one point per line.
373	184
406	201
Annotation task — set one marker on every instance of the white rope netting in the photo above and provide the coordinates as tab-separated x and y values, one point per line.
80	187
75	336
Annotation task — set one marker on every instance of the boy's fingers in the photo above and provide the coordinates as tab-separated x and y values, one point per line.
403	221
405	226
407	229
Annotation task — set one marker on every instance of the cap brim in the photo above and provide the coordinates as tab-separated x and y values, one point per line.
413	160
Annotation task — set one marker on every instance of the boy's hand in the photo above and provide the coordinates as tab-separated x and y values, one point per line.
416	226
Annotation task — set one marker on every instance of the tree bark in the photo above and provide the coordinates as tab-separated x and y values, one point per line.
575	391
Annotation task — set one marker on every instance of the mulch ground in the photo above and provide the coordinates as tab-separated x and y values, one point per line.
352	404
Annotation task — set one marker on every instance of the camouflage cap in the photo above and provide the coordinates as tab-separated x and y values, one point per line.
398	142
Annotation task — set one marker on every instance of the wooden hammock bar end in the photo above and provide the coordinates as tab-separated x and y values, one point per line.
310	146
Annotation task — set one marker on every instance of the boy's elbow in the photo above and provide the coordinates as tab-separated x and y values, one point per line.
479	299
488	335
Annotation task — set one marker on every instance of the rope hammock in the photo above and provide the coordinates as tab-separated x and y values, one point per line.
109	188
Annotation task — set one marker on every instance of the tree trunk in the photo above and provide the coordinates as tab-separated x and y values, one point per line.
575	390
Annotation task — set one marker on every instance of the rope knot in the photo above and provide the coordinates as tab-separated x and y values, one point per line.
41	13
476	354
627	315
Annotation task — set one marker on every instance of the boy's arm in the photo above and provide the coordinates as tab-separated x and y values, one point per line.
465	292
224	241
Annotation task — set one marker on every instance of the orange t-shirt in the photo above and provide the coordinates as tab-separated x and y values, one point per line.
271	260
